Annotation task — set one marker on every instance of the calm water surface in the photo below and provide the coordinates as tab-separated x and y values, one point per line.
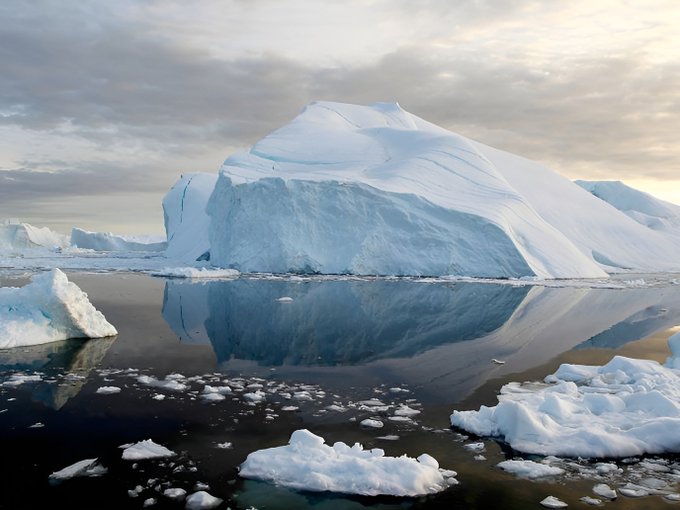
337	343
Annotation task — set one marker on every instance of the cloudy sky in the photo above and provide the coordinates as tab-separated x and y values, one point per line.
104	104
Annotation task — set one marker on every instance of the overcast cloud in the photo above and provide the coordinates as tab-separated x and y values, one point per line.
116	99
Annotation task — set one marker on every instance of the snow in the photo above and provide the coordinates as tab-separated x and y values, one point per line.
16	237
48	309
146	449
376	190
87	467
186	222
624	408
194	272
642	207
529	469
107	241
306	463
201	500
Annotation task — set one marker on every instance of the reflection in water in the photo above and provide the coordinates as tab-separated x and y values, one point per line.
76	357
333	322
433	336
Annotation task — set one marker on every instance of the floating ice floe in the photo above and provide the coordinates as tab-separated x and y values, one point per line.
146	449
48	309
87	467
202	500
108	390
553	502
172	382
195	272
624	408
306	463
529	469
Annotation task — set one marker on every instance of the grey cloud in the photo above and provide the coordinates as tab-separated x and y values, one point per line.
113	81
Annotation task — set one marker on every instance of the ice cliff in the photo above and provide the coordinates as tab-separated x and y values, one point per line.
376	190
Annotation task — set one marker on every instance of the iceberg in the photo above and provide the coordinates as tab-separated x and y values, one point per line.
107	241
16	237
375	190
306	463
638	205
48	309
186	220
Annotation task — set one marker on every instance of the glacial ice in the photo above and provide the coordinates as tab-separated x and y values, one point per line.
186	221
107	241
306	463
16	237
624	408
376	190
48	309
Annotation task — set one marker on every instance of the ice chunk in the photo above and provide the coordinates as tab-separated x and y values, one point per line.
193	272
48	309
87	467
306	463
202	500
146	449
529	469
553	502
626	407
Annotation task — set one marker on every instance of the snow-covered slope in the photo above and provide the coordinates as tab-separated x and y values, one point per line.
640	206
17	236
186	221
377	190
106	241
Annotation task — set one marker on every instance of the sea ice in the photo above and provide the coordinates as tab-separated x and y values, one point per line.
306	463
108	390
194	272
202	500
87	467
146	449
553	502
624	408
48	309
529	469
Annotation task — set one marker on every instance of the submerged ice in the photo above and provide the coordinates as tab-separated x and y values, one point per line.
48	309
624	408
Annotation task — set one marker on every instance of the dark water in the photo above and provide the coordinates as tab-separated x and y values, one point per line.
338	342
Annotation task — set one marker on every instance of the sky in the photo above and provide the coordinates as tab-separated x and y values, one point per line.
103	105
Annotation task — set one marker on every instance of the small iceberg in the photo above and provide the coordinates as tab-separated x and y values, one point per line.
306	463
48	309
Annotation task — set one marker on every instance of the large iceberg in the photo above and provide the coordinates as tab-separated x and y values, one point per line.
376	190
186	220
16	236
107	241
48	309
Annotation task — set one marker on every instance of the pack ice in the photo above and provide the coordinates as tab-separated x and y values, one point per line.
48	309
376	190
